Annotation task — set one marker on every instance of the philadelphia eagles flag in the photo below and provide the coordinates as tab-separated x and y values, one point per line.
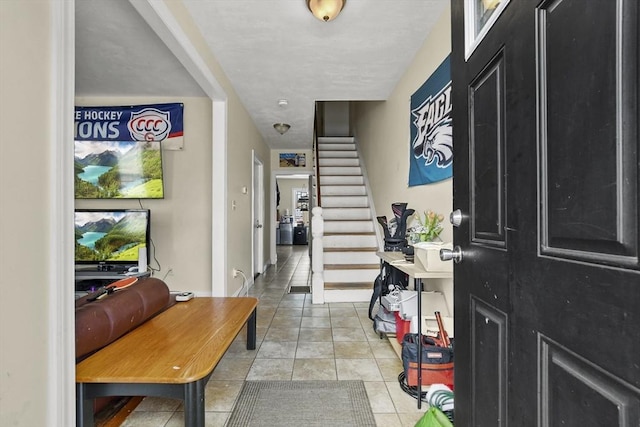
431	146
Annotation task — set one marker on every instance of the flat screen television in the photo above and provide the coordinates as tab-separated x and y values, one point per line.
111	236
118	170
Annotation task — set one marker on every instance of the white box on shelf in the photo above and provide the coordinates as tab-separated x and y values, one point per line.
427	254
430	325
432	301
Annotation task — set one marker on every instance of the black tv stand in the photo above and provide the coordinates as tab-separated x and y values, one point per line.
92	280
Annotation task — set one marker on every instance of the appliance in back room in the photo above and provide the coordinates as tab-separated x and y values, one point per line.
286	229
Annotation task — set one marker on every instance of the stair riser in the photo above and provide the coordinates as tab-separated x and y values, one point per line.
324	154
337	147
335	139
339	213
350	241
338	162
355	295
342	190
341	180
350	276
348	227
339	170
340	258
345	202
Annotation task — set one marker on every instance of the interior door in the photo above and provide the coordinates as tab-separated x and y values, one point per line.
258	216
547	294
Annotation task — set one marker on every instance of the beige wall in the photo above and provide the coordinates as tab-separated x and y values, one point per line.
24	220
242	138
382	134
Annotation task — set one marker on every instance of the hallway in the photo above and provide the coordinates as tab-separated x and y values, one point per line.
298	341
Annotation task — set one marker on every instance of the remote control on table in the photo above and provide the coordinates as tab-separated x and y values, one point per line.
184	296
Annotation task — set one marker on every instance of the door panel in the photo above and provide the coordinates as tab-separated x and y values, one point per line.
489	369
547	297
486	116
585	189
570	385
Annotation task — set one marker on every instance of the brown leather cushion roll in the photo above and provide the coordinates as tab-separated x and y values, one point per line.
101	322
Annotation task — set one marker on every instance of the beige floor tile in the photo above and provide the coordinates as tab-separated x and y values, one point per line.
238	350
353	350
388	420
348	334
280	321
314	369
382	349
315	322
282	334
284	311
316	335
315	350
232	369
345	322
342	310
221	395
271	369
379	397
277	350
287	303
390	368
315	311
403	402
358	369
158	404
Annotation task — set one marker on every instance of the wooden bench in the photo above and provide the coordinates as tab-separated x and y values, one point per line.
171	355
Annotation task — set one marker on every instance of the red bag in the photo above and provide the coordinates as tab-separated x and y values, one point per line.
437	361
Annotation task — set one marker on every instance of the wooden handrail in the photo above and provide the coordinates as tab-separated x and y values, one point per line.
317	125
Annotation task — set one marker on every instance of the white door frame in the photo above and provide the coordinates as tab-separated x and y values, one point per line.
272	222
257	215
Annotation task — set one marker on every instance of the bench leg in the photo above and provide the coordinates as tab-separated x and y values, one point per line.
194	404
251	331
84	407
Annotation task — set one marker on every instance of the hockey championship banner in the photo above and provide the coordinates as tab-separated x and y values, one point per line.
431	146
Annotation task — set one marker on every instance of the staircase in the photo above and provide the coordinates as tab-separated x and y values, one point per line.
349	239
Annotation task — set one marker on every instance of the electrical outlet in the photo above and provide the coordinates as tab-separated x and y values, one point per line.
235	273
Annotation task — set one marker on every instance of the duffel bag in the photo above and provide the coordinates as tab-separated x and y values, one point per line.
437	362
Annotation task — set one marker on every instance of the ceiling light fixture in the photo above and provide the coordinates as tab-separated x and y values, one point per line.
282	128
326	10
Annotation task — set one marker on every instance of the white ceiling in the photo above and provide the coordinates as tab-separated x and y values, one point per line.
269	50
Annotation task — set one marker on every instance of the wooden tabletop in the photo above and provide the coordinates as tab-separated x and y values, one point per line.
416	271
180	345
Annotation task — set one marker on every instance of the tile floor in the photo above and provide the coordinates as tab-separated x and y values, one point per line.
298	341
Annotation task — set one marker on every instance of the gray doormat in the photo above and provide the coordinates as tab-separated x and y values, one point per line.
302	403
